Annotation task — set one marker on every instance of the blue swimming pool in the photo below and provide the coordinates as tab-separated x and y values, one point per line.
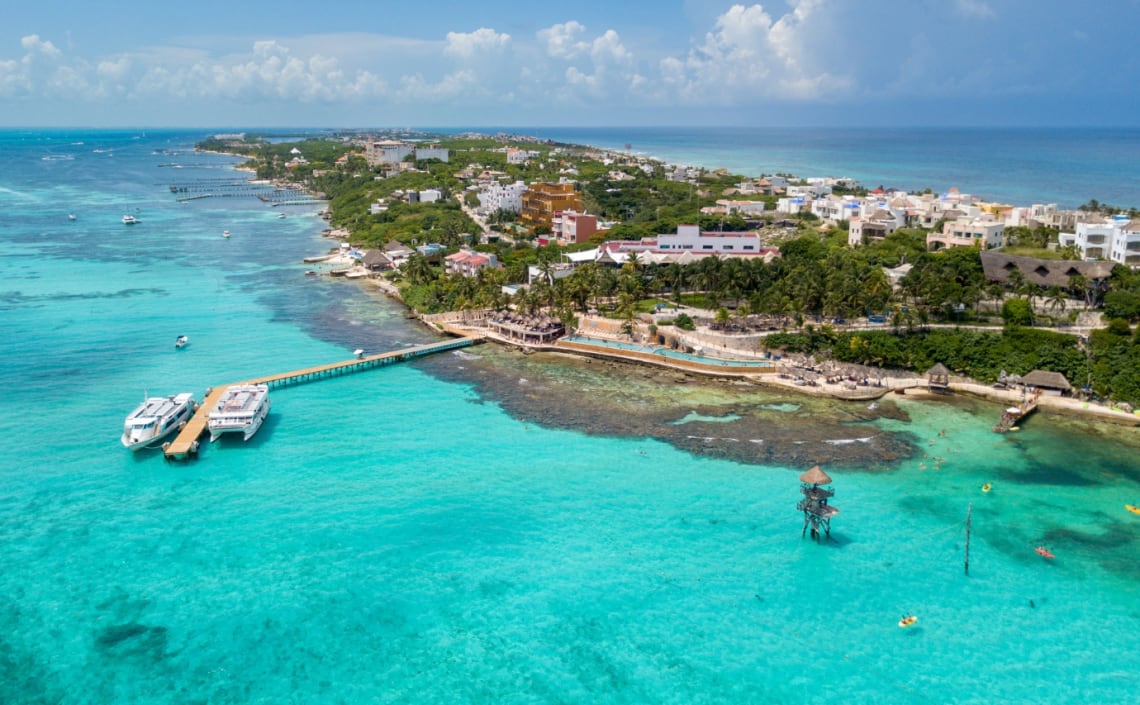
667	353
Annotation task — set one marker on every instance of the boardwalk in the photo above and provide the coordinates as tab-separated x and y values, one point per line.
1013	414
186	444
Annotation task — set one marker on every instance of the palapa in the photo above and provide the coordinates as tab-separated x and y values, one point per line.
1046	380
815	476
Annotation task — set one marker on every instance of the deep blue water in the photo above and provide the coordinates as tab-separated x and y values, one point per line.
1020	166
390	537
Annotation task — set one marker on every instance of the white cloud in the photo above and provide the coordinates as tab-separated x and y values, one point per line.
974	9
481	41
750	54
561	40
34	45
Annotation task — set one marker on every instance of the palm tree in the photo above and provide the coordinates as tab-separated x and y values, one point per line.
1055	297
1079	286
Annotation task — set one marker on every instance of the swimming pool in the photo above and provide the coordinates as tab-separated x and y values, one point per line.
667	353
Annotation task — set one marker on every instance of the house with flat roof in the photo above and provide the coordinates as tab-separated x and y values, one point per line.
984	233
1116	239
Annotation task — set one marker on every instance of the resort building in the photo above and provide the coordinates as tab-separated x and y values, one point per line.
387	152
506	197
983	233
395	151
688	244
432	151
1115	239
1045	273
542	200
468	262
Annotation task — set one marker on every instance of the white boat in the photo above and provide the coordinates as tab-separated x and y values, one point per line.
71	216
181	341
225	233
129	219
281	216
156	418
242	408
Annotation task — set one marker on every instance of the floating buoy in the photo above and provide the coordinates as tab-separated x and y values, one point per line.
908	621
987	487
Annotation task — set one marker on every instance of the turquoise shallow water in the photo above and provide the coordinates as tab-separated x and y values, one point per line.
389	537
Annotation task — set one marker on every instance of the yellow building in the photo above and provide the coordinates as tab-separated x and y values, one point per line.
542	200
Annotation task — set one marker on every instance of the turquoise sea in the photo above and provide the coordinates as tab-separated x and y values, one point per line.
393	537
1022	166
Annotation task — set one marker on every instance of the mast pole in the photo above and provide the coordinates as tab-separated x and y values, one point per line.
969	512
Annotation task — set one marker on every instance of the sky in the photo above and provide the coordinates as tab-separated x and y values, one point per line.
502	63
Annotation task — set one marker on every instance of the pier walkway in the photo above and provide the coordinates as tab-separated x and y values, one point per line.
1014	414
186	444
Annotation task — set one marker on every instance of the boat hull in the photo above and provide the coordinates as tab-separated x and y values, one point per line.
143	428
239	414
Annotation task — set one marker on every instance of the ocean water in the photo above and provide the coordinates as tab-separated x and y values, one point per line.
1022	166
391	537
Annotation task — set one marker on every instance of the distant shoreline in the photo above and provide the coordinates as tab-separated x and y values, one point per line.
912	386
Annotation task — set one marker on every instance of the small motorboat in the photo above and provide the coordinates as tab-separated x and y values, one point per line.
129	219
281	216
908	621
310	273
71	216
225	233
181	341
987	487
1044	552
358	353
1132	508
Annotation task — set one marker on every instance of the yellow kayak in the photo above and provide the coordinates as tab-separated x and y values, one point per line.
908	621
1132	508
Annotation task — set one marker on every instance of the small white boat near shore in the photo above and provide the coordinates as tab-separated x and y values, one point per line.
181	341
225	233
242	409
129	219
156	418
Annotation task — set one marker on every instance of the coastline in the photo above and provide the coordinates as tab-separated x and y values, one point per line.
898	382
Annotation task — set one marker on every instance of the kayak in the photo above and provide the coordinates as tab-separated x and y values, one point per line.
1043	552
987	487
908	621
1132	508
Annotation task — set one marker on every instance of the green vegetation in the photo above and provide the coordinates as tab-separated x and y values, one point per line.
817	278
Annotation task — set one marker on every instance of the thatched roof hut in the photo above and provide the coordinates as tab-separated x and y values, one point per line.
938	376
1043	272
815	476
1044	379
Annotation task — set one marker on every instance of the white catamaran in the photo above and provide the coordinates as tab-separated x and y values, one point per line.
242	408
156	418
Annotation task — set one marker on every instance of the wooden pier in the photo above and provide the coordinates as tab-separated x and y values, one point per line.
1012	415
186	444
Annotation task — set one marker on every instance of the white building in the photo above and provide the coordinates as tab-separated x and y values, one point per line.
1116	239
506	197
432	151
792	206
875	225
729	207
387	152
690	238
430	195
